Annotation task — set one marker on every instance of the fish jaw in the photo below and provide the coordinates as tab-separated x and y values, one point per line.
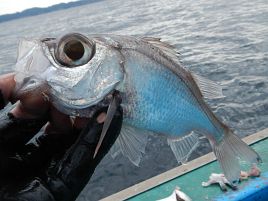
88	84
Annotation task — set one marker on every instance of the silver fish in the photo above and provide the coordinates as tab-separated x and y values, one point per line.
158	94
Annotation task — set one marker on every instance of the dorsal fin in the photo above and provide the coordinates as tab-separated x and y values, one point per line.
208	88
165	47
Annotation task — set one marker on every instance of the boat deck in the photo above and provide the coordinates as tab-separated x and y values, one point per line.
190	176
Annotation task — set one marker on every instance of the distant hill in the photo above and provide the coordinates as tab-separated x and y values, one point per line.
38	11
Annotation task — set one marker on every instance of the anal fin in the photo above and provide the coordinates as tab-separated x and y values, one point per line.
184	146
131	142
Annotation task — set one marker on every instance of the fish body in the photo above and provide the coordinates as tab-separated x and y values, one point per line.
158	94
153	92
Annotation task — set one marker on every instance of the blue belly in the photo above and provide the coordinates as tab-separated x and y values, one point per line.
164	104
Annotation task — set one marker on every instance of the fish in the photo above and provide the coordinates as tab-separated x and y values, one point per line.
158	94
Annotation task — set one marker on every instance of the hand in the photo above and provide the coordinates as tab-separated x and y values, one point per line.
38	167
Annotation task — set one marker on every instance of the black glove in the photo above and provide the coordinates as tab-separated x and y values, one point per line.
51	167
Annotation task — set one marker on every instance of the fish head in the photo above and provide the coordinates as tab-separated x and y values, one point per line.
74	71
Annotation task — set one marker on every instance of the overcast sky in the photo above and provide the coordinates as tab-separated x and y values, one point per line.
12	6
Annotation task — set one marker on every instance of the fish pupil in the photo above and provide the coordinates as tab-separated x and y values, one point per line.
74	50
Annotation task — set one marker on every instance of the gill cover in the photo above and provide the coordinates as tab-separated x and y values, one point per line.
78	72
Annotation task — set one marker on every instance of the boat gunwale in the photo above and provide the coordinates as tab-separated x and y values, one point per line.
178	171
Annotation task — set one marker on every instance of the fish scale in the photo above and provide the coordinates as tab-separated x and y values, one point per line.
163	103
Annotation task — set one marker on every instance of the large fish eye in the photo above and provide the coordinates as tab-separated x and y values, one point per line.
74	50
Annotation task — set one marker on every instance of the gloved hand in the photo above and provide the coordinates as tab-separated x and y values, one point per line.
43	156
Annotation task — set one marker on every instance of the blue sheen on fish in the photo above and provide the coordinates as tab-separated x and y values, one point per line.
158	94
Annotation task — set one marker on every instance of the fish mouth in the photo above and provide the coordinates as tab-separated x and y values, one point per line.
30	69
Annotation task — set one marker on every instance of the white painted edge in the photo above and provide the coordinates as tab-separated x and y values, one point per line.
178	171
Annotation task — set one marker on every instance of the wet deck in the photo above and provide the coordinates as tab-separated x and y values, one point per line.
190	181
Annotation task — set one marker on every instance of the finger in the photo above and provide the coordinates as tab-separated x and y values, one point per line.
59	122
32	104
36	155
16	131
77	166
19	123
26	190
2	101
50	143
7	85
46	146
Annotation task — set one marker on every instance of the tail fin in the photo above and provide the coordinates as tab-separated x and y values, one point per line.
228	152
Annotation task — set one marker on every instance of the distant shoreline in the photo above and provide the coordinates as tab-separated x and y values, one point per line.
39	11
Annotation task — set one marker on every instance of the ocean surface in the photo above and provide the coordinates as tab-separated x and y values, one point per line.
224	40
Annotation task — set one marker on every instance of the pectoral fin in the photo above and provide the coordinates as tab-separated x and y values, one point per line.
131	143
